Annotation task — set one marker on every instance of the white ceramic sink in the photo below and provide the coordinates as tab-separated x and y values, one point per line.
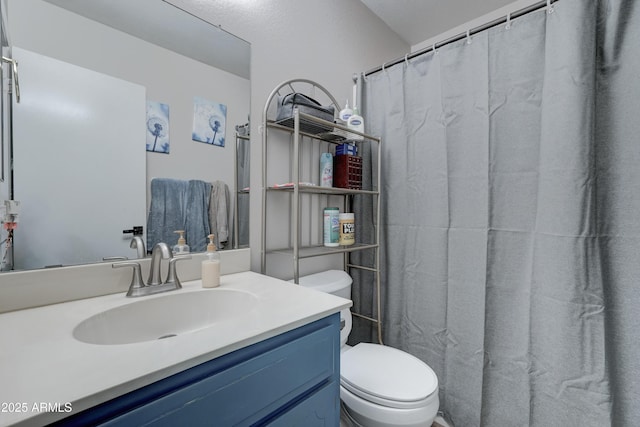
166	316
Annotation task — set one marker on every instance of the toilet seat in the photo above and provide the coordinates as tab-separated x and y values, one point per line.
387	376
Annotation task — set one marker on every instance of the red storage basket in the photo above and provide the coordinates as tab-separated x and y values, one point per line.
347	172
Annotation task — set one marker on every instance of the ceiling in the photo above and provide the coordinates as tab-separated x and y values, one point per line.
413	20
164	24
418	20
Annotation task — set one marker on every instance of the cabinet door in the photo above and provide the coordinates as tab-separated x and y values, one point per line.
252	386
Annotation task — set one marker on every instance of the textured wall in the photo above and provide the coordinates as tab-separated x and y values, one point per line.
325	41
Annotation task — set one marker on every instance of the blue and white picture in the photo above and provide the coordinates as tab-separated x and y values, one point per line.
209	122
157	127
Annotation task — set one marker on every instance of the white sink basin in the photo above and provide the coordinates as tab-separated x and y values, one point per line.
166	316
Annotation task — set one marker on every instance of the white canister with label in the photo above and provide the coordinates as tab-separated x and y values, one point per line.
347	229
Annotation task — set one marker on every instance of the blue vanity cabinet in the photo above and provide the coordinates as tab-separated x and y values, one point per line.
288	380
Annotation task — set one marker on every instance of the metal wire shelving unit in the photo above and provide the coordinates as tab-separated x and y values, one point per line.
303	129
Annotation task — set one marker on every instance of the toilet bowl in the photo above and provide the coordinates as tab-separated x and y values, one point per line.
380	386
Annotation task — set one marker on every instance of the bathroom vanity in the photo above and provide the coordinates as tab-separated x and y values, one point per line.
271	358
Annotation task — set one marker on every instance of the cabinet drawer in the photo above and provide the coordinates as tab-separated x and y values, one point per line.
321	409
250	386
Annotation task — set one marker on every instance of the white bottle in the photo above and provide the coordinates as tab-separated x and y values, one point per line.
181	248
211	266
356	123
345	113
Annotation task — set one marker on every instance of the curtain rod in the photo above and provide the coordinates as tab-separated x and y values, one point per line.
495	22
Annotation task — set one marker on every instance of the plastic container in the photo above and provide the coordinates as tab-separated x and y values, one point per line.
346	148
345	113
347	229
326	170
356	123
347	172
211	266
331	227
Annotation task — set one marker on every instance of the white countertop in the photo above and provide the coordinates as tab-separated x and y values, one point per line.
42	363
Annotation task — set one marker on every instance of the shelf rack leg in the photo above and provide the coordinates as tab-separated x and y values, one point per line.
296	198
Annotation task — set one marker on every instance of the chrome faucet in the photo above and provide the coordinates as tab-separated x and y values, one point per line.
160	251
138	244
154	285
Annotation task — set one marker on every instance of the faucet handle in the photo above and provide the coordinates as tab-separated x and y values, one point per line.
172	275
137	284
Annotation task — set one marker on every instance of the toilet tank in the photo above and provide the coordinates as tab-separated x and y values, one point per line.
335	282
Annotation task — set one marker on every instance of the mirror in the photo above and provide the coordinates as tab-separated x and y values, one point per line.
178	60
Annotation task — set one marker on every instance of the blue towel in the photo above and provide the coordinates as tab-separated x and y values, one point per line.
166	211
179	205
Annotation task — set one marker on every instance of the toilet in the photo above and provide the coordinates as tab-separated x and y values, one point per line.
380	386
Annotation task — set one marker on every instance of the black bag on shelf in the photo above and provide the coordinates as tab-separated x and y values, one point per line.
306	105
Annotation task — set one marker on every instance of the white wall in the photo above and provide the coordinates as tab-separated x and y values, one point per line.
325	41
169	78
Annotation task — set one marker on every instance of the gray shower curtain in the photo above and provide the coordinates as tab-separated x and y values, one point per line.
511	217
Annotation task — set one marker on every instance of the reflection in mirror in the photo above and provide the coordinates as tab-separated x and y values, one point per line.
243	155
153	53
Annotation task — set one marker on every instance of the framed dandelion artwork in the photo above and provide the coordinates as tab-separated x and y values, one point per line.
209	122
157	127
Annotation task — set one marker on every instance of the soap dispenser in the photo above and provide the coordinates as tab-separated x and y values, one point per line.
181	248
356	122
211	266
345	113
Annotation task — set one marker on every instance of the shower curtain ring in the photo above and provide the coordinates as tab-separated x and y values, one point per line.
383	65
434	49
508	26
468	36
406	60
549	7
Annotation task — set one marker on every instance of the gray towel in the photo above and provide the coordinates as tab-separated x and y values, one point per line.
197	215
219	212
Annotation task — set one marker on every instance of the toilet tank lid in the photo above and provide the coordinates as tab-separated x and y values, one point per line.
328	281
